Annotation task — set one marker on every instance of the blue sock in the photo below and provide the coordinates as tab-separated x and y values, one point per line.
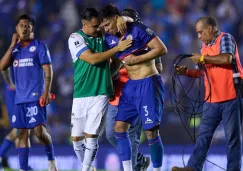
156	151
50	152
124	146
23	157
5	147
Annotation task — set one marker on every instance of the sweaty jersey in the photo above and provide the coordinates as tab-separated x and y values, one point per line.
140	35
89	80
28	72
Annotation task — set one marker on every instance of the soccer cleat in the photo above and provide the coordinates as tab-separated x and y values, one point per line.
52	165
175	168
145	164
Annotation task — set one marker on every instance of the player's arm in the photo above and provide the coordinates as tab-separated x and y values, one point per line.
80	50
116	65
157	49
47	77
7	78
95	58
7	59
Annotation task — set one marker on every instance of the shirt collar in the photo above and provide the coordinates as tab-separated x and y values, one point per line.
214	41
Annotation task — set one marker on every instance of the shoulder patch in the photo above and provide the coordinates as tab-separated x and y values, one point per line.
149	31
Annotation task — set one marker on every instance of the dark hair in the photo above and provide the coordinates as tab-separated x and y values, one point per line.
207	21
25	17
89	13
130	12
109	11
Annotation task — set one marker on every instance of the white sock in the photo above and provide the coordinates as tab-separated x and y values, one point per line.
157	169
79	148
90	153
127	165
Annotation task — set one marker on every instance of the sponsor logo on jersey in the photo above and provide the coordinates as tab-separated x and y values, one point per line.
32	49
23	62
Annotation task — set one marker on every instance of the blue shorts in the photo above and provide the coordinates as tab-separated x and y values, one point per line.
142	98
28	115
9	96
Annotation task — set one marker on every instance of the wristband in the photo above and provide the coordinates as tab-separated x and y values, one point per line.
202	59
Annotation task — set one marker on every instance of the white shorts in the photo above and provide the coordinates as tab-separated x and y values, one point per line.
88	115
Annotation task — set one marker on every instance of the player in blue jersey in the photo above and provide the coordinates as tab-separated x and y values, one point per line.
32	77
142	95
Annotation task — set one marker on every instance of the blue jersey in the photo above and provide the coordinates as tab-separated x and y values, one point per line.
140	35
28	72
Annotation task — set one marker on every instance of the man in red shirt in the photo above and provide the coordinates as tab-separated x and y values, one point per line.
224	105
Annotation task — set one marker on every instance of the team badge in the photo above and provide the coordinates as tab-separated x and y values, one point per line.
13	118
32	49
129	36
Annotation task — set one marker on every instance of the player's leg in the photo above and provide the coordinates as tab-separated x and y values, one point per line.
110	123
150	106
8	143
127	114
78	120
96	116
23	148
36	119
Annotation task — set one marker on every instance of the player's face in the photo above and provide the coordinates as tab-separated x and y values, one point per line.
24	29
110	25
92	27
204	33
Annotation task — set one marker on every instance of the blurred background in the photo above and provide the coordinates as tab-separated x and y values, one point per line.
172	20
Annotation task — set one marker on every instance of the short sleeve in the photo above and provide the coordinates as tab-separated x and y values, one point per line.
76	45
227	44
44	54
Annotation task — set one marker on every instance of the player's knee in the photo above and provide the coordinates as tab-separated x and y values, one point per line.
12	135
23	133
39	132
77	138
152	133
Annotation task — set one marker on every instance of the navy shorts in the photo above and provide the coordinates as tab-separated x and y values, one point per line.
142	98
28	115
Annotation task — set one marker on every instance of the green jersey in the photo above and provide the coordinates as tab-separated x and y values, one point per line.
89	80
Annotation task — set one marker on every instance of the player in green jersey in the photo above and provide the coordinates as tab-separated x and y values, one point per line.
92	85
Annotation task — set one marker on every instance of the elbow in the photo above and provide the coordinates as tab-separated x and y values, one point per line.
163	51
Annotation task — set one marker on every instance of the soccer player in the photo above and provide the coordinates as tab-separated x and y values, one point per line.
32	77
92	85
139	161
142	95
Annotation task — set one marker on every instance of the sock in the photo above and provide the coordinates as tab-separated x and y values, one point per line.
5	147
90	153
79	148
50	152
124	149
156	152
23	158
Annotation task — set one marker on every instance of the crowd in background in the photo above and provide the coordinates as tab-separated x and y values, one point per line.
172	20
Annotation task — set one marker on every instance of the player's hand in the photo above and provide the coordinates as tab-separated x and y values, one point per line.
45	99
130	60
12	87
196	58
121	25
181	70
124	44
15	39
